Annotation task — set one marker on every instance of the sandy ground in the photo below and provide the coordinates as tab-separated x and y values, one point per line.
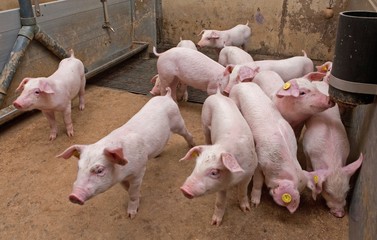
35	186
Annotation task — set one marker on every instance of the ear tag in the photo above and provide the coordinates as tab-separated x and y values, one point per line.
286	85
194	155
324	68
286	198
76	154
316	179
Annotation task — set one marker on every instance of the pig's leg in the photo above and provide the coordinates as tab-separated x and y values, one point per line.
133	187
82	93
50	115
68	120
242	195
256	191
220	204
179	127
207	135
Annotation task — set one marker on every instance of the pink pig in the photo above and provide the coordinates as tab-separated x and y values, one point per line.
297	99
228	160
276	148
233	55
54	93
122	155
326	147
236	36
191	68
288	68
186	44
239	73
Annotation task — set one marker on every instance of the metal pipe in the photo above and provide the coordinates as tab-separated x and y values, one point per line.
23	40
50	44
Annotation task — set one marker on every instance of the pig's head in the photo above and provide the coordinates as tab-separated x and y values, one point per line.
286	195
213	170
336	186
210	38
238	74
95	169
156	88
35	92
302	97
326	69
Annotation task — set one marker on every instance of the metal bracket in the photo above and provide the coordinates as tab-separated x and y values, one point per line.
106	24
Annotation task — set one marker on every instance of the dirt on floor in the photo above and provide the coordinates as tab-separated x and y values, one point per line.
35	186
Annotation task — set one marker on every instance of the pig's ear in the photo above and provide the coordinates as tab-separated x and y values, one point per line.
324	67
316	180
289	88
22	84
115	155
45	87
201	32
246	74
74	150
315	76
351	168
228	69
230	162
193	153
214	35
154	78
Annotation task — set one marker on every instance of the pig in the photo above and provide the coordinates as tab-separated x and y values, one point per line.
186	44
229	158
182	94
276	148
326	148
191	68
239	73
297	99
236	36
234	55
54	93
122	155
288	68
325	68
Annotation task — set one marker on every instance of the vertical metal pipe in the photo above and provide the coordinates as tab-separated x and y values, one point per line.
26	9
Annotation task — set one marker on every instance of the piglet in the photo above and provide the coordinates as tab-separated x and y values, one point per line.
122	155
191	68
276	148
228	159
297	99
236	36
233	55
54	93
186	44
326	147
182	94
288	68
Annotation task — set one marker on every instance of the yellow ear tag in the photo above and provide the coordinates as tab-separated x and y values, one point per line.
194	155
76	154
324	68
286	85
286	197
316	179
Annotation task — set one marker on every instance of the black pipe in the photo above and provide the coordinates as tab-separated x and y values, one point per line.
26	9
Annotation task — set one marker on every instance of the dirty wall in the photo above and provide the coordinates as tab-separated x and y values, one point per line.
279	27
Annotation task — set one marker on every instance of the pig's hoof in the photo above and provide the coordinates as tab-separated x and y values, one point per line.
52	136
70	134
216	221
132	215
245	207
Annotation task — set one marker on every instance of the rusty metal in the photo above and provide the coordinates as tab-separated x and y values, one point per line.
106	23
50	44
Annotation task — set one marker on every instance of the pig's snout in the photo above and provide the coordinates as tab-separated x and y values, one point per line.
78	196
186	193
75	199
331	103
17	105
339	213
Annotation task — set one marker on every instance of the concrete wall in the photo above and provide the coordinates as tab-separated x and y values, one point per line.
279	27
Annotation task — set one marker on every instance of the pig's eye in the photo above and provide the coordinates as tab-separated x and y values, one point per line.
99	170
37	92
302	93
214	173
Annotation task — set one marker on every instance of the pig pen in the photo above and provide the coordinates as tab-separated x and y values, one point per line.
36	184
